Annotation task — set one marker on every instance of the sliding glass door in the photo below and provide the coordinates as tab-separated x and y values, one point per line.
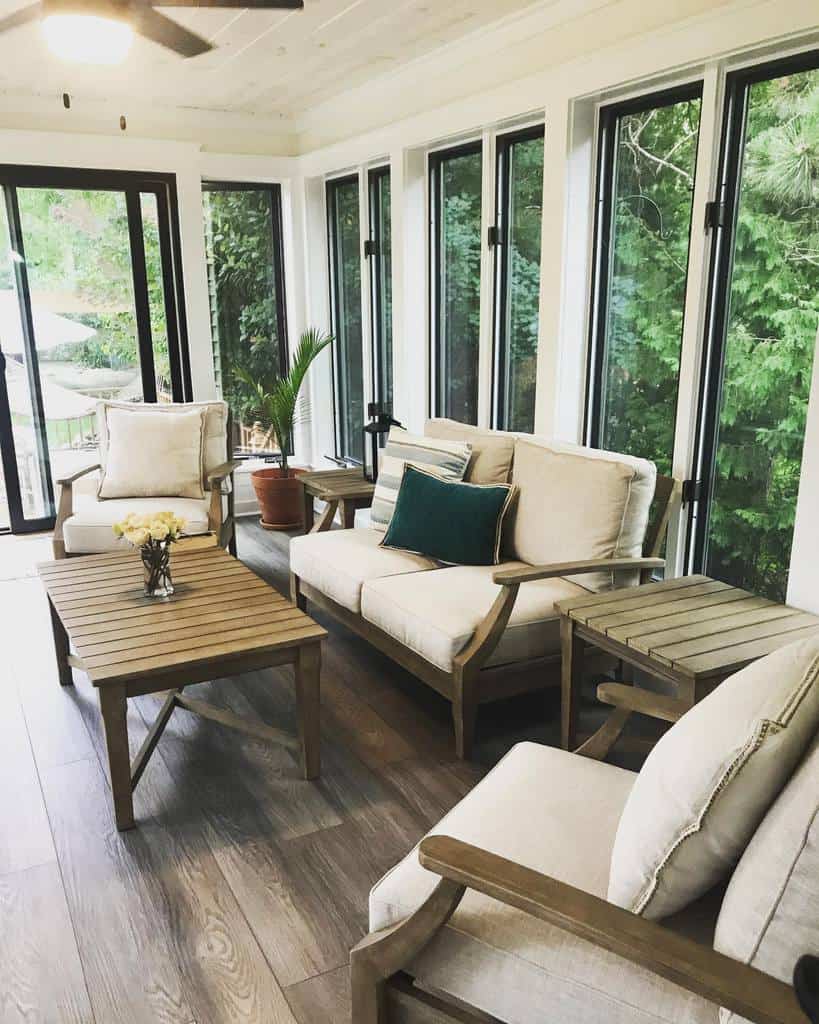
89	285
762	327
378	250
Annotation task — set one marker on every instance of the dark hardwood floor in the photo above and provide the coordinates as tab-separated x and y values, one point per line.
240	892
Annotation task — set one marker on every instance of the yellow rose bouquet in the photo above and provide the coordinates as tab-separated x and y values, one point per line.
153	535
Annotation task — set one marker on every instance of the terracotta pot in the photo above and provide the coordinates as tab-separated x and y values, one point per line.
281	498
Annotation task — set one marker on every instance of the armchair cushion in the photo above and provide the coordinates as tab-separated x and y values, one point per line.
89	531
436	614
492	450
707	784
770	914
579	503
152	454
339	562
557	813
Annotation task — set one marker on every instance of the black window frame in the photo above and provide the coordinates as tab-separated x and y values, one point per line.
373	251
330	186
133	184
726	197
434	160
605	163
500	281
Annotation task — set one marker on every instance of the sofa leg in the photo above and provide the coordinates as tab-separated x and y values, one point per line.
296	596
464	716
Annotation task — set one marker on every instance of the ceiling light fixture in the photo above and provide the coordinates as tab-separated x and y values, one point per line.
88	38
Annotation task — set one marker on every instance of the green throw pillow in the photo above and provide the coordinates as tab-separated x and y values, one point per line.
451	522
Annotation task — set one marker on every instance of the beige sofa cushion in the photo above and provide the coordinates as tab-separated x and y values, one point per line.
492	450
153	455
707	784
338	562
214	444
89	531
579	503
556	813
436	614
770	915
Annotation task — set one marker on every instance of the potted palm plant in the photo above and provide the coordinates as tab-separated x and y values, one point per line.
276	401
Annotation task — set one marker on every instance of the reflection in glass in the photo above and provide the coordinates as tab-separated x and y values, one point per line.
770	339
156	297
651	194
345	269
456	257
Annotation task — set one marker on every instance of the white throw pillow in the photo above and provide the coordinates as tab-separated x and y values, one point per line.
446	459
153	454
708	783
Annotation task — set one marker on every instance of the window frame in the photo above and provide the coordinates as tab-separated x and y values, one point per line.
330	186
603	199
372	252
435	159
504	142
725	190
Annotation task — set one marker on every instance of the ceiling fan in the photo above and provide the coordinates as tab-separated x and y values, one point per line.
100	31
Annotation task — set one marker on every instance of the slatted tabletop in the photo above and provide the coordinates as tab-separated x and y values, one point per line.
338	484
695	626
220	610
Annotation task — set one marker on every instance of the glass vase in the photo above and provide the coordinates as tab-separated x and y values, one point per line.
156	565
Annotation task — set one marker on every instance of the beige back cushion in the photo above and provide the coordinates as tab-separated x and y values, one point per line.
214	445
152	455
709	782
576	503
492	450
770	914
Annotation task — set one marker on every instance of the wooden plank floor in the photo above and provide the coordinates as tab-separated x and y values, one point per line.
238	896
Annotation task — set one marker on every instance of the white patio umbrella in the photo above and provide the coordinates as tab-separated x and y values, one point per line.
50	329
60	403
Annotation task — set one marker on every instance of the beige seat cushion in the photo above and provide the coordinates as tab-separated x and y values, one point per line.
579	503
492	450
707	784
339	562
89	531
436	614
557	813
214	445
770	915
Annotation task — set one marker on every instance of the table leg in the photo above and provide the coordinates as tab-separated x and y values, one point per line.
347	514
308	704
571	677
61	647
309	512
113	705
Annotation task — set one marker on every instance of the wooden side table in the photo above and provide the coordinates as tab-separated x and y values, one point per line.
347	488
692	632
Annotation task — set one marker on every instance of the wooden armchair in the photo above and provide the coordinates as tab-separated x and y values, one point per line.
381	993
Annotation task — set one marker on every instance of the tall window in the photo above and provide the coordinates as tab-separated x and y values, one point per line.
647	153
379	252
455	260
243	238
345	293
519	201
763	318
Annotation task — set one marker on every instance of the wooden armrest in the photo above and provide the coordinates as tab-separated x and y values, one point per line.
66	480
745	990
506	577
226	468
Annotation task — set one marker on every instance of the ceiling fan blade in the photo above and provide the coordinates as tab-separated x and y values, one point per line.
21	17
160	29
256	5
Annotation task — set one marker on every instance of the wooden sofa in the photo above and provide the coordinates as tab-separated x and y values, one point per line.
501	916
83	523
583	519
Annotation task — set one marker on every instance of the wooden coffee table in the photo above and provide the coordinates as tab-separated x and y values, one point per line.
347	488
691	632
222	620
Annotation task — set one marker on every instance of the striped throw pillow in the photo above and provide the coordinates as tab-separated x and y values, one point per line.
446	459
